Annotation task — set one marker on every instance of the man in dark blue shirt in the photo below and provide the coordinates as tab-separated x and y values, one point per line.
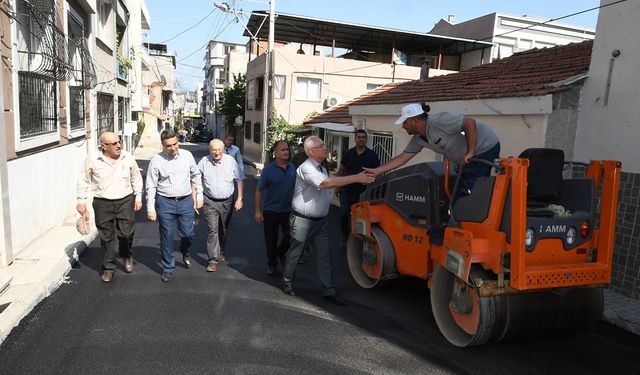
276	186
353	160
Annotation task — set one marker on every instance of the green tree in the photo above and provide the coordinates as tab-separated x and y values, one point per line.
279	129
233	99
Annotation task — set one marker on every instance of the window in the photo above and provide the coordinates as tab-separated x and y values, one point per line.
278	86
105	113
247	130
105	25
256	132
251	94
382	144
123	59
37	104
39	65
308	89
373	86
123	110
75	34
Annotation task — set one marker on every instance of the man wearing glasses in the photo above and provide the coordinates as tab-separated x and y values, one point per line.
116	183
309	223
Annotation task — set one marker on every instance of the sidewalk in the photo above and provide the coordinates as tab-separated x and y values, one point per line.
38	271
42	267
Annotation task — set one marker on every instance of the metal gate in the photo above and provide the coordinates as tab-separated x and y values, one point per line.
382	144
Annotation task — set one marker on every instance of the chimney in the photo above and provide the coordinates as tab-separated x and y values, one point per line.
451	19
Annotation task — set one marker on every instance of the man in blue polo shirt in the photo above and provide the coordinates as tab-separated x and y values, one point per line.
352	162
273	203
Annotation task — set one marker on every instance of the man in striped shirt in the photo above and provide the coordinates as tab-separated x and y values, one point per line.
115	180
219	171
174	191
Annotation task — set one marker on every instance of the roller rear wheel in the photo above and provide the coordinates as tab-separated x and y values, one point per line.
467	319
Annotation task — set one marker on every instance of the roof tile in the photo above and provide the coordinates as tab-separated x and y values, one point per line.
523	74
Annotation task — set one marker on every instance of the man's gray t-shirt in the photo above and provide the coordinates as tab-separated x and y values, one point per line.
444	136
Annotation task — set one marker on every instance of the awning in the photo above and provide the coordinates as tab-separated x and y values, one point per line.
334	127
304	130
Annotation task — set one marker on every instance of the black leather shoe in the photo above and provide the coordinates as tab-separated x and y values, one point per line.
166	276
127	262
106	276
335	299
187	261
288	289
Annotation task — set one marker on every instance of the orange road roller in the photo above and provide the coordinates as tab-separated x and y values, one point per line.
524	254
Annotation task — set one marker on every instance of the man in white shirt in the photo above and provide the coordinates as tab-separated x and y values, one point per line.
115	180
308	222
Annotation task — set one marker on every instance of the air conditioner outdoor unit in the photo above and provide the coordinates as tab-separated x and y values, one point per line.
331	101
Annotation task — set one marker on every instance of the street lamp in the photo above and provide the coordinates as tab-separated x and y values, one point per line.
222	6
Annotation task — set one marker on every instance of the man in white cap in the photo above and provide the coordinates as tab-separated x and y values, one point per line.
457	137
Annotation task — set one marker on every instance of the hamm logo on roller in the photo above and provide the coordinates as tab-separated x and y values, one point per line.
402	197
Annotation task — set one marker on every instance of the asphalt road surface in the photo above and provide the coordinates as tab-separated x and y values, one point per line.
237	321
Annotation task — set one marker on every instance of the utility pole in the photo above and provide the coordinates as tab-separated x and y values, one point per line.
267	93
268	81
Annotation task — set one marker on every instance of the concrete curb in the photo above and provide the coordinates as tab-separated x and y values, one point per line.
622	311
38	271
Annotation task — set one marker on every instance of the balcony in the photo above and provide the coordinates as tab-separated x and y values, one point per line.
123	65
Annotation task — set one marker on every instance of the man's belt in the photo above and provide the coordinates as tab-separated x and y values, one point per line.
218	199
113	200
175	198
298	214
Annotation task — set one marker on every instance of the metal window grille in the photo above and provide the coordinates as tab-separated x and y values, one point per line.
256	132
123	109
37	97
247	129
382	144
105	113
76	79
77	108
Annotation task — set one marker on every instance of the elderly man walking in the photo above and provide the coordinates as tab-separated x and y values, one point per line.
308	222
174	191
219	171
115	180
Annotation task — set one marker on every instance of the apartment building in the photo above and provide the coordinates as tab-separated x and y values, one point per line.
68	71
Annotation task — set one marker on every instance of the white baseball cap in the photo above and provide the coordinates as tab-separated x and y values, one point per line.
408	111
